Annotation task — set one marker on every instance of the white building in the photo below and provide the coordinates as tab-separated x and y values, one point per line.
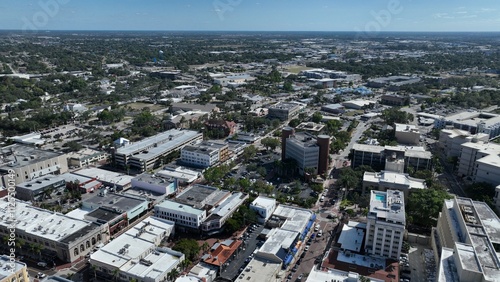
61	236
146	154
182	174
33	139
204	154
450	140
465	242
480	162
358	104
264	207
476	122
156	184
407	134
385	180
181	214
86	157
385	224
136	255
316	275
13	271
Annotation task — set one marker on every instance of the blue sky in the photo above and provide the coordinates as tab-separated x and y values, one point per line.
260	15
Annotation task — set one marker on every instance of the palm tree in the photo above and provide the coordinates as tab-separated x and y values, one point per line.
115	273
94	269
173	274
205	247
184	264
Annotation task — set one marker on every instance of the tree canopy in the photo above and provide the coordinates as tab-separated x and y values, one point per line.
424	205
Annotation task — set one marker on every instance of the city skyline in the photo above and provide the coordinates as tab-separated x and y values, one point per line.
242	15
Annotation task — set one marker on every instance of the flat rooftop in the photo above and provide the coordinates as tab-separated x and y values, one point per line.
17	155
352	236
115	201
180	173
7	268
284	106
41	182
296	218
279	242
229	204
259	270
264	202
368	148
447	268
51	226
134	243
406	127
394	178
107	176
200	196
153	179
171	205
388	205
167	139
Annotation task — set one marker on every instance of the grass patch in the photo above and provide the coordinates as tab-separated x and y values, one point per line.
138	106
297	69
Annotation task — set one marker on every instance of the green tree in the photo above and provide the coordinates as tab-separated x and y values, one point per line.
294	122
424	206
395	115
317	117
270	143
189	247
249	152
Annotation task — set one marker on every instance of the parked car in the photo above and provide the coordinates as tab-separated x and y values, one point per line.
320	233
300	277
40	275
42	264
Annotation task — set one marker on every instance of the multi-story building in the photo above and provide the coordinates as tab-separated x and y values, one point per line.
132	207
450	140
25	163
466	241
407	134
223	126
391	158
13	270
86	157
283	111
58	235
480	162
394	100
385	180
36	189
137	254
201	208
148	153
385	224
204	154
309	151
476	122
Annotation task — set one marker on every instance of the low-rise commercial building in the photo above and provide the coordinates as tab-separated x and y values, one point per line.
37	189
23	163
119	181
133	207
86	157
59	235
385	226
180	173
153	183
13	270
465	241
394	100
148	153
136	253
201	208
358	104
264	207
333	108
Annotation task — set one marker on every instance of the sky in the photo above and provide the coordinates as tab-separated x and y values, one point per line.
252	15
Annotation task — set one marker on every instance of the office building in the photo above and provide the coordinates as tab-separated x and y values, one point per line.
394	100
450	140
153	183
182	174
37	189
61	236
466	241
204	154
201	208
86	157
311	152
476	122
136	253
480	162
407	134
132	207
385	224
28	163
13	270
148	153
283	111
391	158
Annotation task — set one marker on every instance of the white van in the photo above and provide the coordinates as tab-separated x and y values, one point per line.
322	199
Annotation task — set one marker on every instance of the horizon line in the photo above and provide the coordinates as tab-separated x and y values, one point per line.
201	30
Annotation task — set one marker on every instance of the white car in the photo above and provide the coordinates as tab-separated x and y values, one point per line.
320	233
316	228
